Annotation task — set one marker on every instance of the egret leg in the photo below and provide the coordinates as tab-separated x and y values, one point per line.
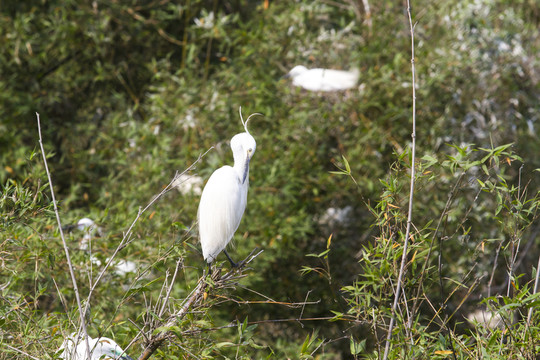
233	264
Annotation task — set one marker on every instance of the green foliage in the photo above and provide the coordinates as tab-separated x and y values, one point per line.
440	288
131	92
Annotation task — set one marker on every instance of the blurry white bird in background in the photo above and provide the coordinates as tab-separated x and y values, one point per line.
323	79
100	348
187	184
89	228
486	318
224	198
85	223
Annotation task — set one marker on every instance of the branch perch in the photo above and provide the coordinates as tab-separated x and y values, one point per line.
195	298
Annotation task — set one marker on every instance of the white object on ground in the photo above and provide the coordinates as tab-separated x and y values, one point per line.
323	79
100	349
224	198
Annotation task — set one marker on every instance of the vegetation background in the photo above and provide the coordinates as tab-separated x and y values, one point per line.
129	92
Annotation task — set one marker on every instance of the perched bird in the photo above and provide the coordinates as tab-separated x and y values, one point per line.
224	198
100	349
323	79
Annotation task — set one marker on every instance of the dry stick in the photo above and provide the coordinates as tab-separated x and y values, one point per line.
21	352
178	262
513	256
70	266
413	173
368	20
514	251
529	315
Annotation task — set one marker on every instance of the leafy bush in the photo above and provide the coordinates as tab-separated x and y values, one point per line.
129	93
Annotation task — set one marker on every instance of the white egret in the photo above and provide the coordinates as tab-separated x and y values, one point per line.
336	216
89	227
85	223
486	318
100	348
323	79
224	198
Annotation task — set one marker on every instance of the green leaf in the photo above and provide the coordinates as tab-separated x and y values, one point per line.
224	344
347	166
357	347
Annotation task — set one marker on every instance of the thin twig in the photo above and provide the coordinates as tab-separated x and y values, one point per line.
535	290
166	300
355	322
21	352
413	174
66	250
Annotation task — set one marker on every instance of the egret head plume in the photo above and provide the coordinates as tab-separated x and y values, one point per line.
249	117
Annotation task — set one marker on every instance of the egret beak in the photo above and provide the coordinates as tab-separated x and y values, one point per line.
286	76
246	169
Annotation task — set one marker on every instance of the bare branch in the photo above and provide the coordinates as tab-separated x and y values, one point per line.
413	175
535	290
66	250
21	352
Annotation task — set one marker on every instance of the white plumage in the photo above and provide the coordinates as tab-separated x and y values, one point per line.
100	348
323	79
224	198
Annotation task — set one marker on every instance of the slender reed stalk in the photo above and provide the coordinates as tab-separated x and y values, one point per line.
66	250
411	192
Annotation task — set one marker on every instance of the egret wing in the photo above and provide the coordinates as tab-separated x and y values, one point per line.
222	205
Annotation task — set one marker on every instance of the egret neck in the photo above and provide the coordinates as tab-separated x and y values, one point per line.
242	156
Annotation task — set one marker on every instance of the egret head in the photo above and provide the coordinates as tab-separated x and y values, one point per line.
243	144
295	71
85	223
